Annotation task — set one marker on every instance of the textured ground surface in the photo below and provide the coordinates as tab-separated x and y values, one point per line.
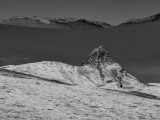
28	97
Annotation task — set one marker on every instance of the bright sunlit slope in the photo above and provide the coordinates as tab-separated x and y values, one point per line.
100	89
54	90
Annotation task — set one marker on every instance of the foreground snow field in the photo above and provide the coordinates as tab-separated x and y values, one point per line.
55	91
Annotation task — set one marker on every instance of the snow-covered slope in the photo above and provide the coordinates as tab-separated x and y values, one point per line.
82	75
57	91
99	71
153	89
35	99
51	70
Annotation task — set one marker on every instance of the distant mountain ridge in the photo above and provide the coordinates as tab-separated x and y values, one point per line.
59	23
71	23
152	18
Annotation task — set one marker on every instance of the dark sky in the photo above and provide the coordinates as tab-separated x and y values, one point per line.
111	11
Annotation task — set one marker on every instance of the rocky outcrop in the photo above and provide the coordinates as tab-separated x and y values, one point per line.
102	71
99	71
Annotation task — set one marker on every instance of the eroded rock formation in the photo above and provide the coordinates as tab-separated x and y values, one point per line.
106	71
99	71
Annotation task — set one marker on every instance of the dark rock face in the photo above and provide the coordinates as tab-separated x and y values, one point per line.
99	55
100	60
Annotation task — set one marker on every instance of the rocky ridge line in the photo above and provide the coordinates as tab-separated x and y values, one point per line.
69	22
152	18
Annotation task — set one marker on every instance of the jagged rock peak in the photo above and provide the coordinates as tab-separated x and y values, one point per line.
104	71
100	54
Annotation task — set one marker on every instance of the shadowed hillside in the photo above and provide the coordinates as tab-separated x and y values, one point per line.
136	46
